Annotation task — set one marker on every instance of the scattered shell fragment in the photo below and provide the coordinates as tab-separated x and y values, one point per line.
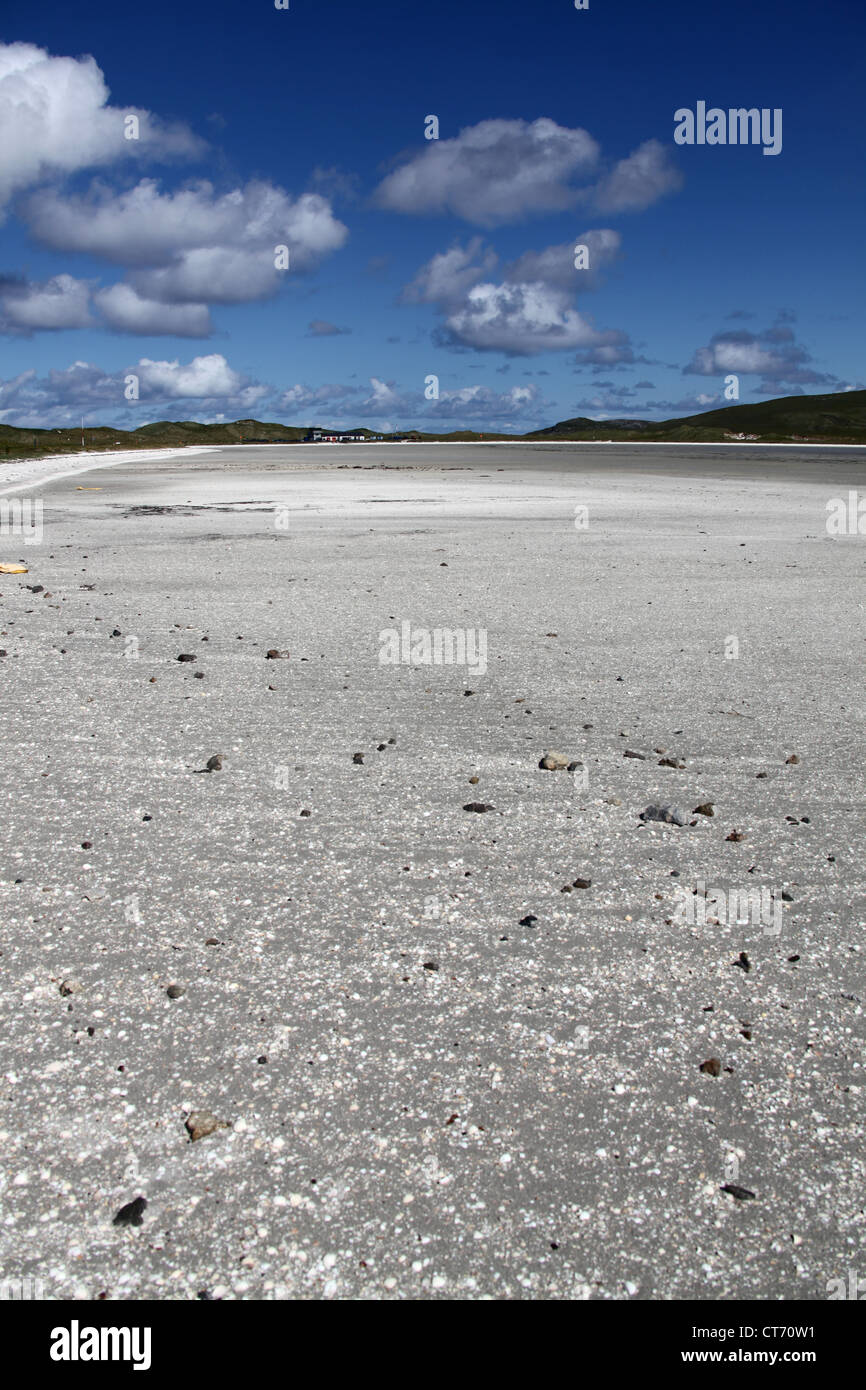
553	762
201	1123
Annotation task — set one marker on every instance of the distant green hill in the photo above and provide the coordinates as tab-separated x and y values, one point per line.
833	419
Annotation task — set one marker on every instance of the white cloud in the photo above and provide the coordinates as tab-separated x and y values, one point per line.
523	319
300	397
84	388
383	396
531	311
208	389
503	170
191	246
201	378
773	354
641	179
127	312
55	119
555	265
146	227
493	172
483	406
61	302
447	276
216	274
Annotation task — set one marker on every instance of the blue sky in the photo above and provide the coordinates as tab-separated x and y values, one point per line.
154	257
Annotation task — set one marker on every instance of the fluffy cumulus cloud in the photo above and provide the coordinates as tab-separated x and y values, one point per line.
449	275
201	379
529	309
383	405
503	170
522	320
192	246
519	408
26	307
209	389
641	179
63	302
208	386
382	399
147	227
335	402
183	250
55	120
774	355
124	310
555	265
493	172
302	399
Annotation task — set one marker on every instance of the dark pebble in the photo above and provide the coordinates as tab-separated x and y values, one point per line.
742	1194
131	1214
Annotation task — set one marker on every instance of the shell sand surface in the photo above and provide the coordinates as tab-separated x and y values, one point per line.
334	1032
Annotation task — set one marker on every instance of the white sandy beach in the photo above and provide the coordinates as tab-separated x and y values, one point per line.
436	1072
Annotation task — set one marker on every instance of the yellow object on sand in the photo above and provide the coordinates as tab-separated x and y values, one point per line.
88	489
14	569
